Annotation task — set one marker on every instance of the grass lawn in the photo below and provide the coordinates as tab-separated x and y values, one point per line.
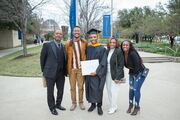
14	65
158	48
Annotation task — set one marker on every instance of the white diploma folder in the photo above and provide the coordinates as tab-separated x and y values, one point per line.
89	66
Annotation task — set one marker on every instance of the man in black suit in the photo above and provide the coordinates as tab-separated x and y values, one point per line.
53	66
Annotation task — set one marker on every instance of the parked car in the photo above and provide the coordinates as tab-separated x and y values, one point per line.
177	40
164	39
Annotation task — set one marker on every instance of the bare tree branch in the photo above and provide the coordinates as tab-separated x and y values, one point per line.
64	9
42	2
18	12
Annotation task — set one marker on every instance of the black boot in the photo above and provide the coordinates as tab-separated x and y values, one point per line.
135	111
100	112
92	107
130	108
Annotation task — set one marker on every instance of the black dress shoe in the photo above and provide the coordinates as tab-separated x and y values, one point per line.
54	112
100	112
93	106
60	108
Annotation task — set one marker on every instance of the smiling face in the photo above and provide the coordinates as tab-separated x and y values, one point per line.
112	43
125	46
58	35
93	38
76	32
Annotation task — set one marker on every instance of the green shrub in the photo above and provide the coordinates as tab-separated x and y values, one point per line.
156	48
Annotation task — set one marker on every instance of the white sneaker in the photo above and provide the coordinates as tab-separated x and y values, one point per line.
112	110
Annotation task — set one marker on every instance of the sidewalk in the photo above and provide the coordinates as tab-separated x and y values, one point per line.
147	54
25	99
12	50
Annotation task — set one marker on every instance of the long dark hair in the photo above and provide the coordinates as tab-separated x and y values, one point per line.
131	49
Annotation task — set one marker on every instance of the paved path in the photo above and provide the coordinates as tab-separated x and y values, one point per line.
146	54
12	50
25	98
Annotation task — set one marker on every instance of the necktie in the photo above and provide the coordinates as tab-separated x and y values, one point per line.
59	45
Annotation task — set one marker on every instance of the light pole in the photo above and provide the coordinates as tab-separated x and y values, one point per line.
77	12
111	18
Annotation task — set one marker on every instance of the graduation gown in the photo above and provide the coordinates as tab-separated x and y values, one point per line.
95	84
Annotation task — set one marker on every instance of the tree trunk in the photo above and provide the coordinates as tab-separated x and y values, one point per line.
24	26
137	37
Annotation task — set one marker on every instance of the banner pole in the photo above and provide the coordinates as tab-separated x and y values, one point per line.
77	7
111	18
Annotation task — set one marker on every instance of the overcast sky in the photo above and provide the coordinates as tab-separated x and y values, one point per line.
52	10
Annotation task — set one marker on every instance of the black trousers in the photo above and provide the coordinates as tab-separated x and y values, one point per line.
59	81
98	104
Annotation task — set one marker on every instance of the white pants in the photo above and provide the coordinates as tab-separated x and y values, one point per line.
112	90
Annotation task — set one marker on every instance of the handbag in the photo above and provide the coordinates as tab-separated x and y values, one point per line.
145	71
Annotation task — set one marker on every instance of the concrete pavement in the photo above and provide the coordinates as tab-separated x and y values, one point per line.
12	50
147	54
25	98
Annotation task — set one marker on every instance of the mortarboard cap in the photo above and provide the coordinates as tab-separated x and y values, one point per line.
93	31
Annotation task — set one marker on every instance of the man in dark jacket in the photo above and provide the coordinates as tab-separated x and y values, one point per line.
53	66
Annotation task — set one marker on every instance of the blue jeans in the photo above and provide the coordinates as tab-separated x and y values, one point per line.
135	83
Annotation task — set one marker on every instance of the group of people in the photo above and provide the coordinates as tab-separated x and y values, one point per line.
58	60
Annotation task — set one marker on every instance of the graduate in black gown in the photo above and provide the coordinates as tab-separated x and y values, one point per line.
95	81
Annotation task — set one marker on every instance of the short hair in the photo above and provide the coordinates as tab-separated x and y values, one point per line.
77	27
59	30
117	43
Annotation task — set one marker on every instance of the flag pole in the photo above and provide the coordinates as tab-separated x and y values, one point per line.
111	18
72	16
76	12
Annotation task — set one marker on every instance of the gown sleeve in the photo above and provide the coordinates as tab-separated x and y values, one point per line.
102	68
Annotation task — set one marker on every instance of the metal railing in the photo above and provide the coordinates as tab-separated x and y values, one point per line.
174	51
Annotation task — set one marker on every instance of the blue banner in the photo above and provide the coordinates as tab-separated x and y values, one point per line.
72	17
106	26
